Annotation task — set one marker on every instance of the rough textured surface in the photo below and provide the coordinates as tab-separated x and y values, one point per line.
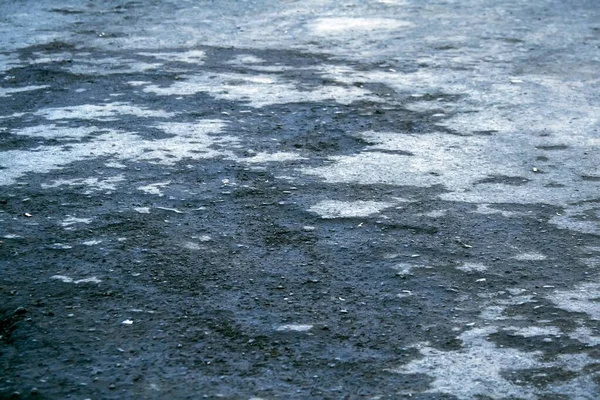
300	199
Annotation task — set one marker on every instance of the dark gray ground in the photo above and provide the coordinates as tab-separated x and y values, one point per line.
300	199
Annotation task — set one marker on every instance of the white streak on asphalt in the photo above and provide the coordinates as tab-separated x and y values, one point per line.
6	92
74	220
67	279
294	328
91	242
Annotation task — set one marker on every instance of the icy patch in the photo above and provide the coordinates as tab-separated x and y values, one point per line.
294	328
532	331
475	370
533	256
480	368
191	141
273	157
339	25
53	131
435	214
472	267
94	184
73	220
110	66
581	299
154	188
191	56
67	279
6	92
244	59
583	218
260	90
485	209
105	112
459	163
585	335
348	209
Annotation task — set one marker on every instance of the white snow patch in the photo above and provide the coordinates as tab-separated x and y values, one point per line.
435	213
531	331
531	256
93	184
337	25
472	267
154	188
442	159
101	112
53	131
348	209
259	90
243	59
581	299
273	157
487	210
190	56
189	141
294	328
480	367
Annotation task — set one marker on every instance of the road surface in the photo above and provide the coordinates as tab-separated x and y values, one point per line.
300	199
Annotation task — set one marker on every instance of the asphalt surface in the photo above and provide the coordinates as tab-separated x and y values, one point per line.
300	199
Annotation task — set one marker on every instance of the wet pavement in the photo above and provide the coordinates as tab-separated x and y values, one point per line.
300	199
